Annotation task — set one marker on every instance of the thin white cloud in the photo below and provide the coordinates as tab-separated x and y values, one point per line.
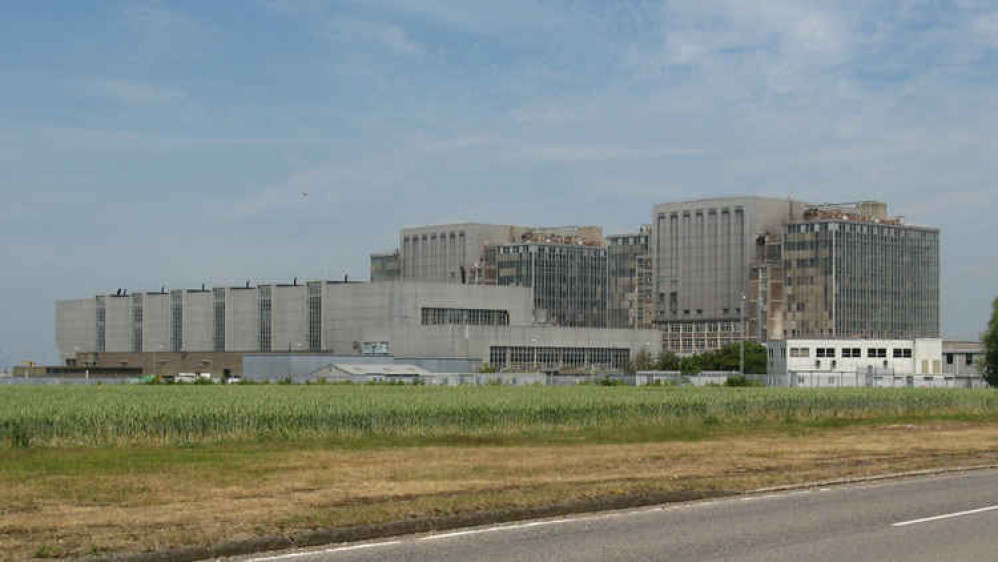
353	31
134	93
605	153
544	116
985	28
112	140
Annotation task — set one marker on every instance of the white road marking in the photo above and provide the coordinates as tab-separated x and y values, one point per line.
513	527
326	551
700	504
945	516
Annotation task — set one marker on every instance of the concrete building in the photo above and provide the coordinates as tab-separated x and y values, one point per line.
568	281
455	253
566	266
963	358
385	266
432	325
449	253
629	281
922	356
853	271
703	253
914	362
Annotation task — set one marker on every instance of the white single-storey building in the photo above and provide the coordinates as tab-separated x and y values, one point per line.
854	362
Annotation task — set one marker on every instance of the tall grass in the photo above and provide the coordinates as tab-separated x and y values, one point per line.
169	415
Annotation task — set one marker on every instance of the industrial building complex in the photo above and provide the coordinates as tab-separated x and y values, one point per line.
833	289
442	327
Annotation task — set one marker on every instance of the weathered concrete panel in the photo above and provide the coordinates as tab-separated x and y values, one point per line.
76	326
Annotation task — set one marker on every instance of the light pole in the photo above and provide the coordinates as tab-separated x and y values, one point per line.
533	352
76	354
155	359
741	354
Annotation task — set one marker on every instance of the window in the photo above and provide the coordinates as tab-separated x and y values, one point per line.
871	352
969	358
463	317
177	320
882	352
857	352
907	353
949	358
314	316
830	352
821	352
218	296
897	353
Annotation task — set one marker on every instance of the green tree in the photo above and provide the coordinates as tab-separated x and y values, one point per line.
728	358
667	361
643	361
691	365
989	341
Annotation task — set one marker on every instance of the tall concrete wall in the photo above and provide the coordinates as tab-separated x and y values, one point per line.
199	328
118	329
290	318
76	326
702	253
462	322
156	322
437	253
702	249
358	313
241	320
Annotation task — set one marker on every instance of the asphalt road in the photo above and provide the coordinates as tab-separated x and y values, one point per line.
951	518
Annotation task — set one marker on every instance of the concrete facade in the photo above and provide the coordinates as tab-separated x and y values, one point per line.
289	318
963	358
242	324
385	266
568	281
118	324
160	363
76	327
860	276
629	281
423	322
199	325
921	356
442	252
456	253
826	363
702	257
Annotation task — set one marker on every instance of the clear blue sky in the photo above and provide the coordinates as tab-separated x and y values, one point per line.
147	143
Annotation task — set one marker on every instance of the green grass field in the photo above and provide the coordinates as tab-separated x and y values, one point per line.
102	416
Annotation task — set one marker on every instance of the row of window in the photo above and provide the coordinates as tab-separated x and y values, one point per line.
464	317
547	357
851	352
433	236
968	358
